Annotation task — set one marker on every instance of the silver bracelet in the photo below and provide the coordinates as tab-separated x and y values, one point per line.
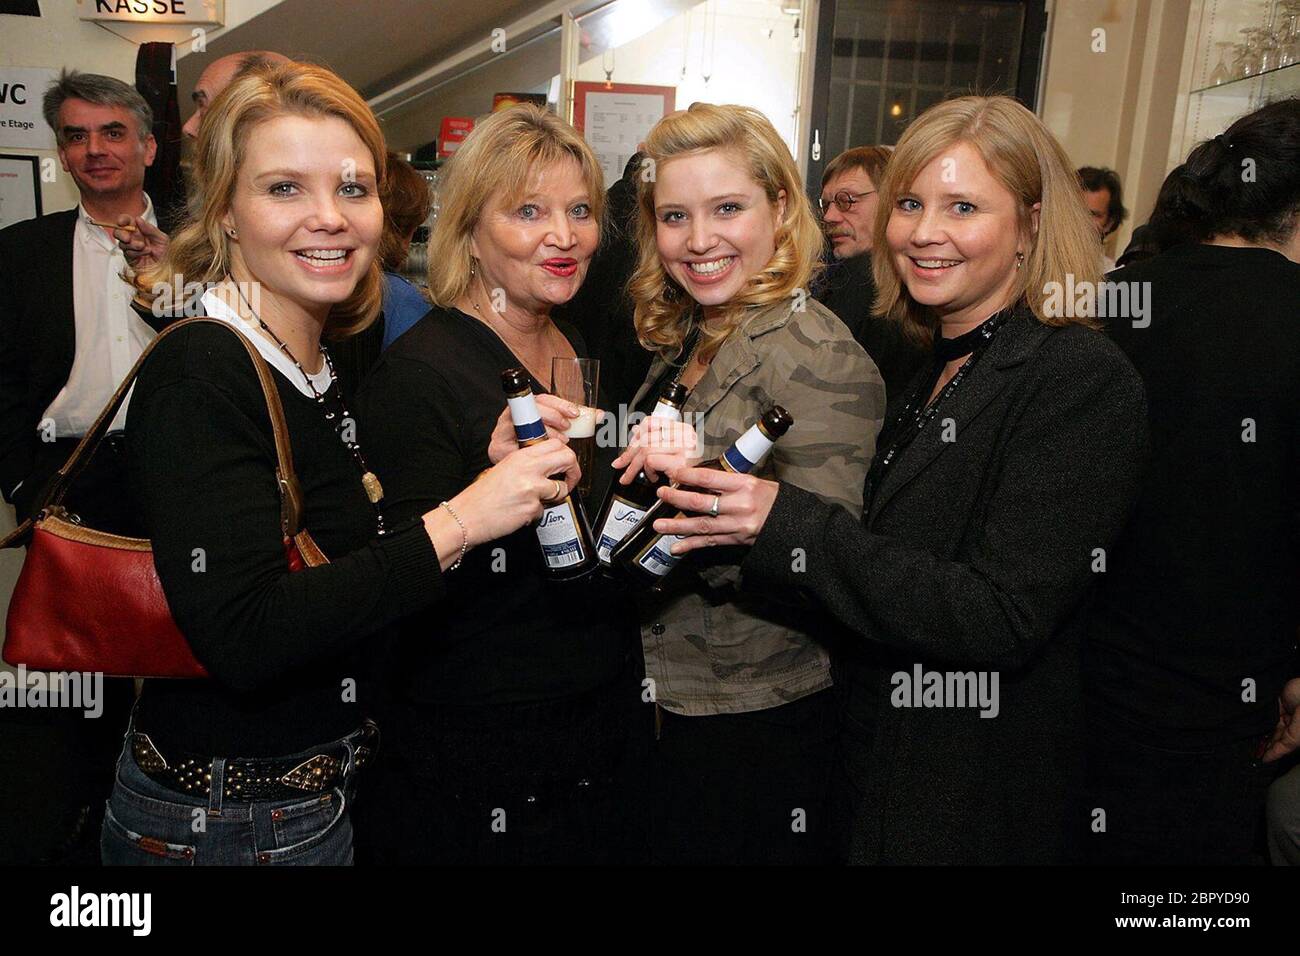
464	534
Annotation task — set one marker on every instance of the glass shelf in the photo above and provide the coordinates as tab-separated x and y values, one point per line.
1234	87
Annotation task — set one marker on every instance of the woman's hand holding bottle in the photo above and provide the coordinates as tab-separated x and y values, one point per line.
506	497
671	443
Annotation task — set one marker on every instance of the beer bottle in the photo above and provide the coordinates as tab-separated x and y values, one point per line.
562	533
626	505
645	555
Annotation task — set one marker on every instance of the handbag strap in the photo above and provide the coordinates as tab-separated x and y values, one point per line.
286	479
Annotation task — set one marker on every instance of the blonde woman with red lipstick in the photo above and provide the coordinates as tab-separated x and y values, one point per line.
728	243
513	709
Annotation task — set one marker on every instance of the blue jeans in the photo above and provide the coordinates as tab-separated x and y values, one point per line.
148	824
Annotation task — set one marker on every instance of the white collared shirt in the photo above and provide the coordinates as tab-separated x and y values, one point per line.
110	335
215	308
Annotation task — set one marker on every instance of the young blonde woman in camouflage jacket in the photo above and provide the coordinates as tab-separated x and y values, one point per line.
727	247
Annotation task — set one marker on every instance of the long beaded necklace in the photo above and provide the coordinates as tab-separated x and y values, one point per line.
369	480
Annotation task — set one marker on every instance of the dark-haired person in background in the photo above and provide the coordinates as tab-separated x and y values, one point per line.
602	310
407	203
1145	242
1104	197
848	206
1194	635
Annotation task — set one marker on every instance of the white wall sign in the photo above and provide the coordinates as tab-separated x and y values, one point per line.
614	123
20	193
21	123
212	12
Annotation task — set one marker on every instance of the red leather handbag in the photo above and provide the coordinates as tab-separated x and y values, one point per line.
88	600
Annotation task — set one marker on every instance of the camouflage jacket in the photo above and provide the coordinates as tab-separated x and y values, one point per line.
710	647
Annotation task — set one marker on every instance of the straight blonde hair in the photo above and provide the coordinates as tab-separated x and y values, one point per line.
491	169
200	250
1021	154
663	308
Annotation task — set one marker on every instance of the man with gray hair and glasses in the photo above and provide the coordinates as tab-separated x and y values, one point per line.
68	336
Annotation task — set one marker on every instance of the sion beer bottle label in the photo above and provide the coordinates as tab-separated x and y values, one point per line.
627	505
645	555
562	532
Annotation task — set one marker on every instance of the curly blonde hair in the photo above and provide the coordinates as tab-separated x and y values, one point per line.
664	310
200	250
1023	155
492	167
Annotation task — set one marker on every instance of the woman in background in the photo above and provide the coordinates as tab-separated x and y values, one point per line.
1194	639
407	203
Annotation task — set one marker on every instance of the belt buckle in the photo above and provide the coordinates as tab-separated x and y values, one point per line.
146	755
310	775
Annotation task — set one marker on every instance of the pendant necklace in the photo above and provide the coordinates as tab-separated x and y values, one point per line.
369	480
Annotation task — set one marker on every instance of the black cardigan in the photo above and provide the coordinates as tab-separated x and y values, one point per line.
504	634
278	645
976	555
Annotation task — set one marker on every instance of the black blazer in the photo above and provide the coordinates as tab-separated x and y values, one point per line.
848	289
37	333
37	337
976	555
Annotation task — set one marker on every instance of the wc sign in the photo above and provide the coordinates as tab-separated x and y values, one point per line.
21	123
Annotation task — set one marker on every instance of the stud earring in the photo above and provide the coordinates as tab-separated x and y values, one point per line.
231	234
1020	259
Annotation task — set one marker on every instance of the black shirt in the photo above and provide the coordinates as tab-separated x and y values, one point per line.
1202	591
279	646
504	634
601	309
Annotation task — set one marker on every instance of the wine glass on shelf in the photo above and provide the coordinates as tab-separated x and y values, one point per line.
1242	66
1220	75
1289	43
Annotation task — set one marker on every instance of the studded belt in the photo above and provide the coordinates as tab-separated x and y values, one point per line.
247	779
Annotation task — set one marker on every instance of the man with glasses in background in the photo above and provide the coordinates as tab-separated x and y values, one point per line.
848	206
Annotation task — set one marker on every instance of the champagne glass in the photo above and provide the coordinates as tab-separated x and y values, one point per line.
1219	75
577	380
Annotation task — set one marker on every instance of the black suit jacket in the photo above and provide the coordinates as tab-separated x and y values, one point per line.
848	289
976	555
37	340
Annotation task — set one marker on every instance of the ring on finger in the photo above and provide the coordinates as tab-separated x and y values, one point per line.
559	490
713	508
